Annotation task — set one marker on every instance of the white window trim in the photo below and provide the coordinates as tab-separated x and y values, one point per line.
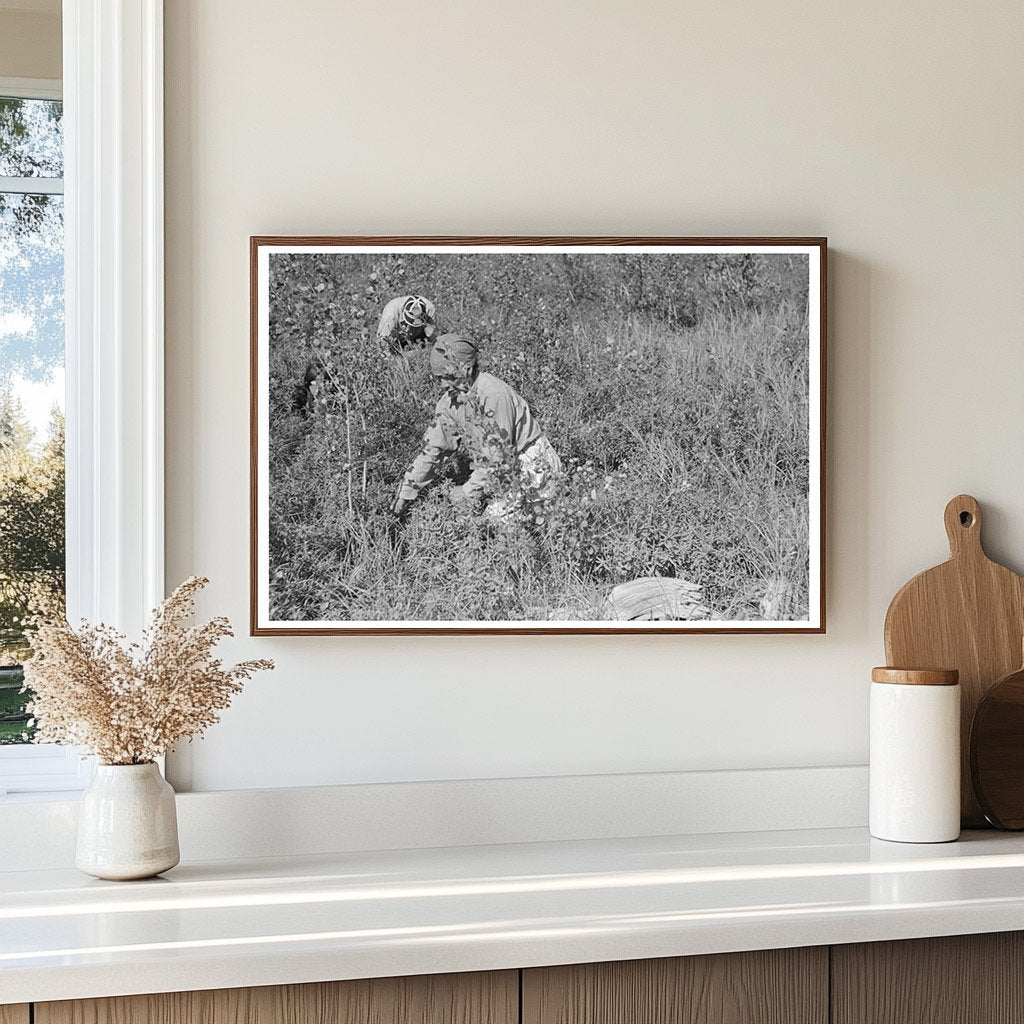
113	169
32	88
31	186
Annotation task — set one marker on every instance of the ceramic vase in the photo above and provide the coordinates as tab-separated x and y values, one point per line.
127	825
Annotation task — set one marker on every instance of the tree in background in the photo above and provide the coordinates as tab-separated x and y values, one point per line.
31	544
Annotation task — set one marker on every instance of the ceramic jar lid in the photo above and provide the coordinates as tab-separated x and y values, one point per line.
916	676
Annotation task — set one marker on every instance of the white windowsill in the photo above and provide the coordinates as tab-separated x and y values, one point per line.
48	797
42	771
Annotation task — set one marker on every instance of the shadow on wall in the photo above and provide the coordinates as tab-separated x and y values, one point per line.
853	287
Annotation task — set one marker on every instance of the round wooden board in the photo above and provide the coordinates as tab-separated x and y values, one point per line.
997	752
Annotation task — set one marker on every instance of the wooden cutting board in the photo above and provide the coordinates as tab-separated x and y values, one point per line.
967	614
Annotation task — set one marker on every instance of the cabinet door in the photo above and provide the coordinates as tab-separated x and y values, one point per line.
778	986
962	979
490	998
14	1014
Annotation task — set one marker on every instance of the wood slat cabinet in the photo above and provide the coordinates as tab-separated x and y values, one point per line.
481	998
972	979
776	986
962	979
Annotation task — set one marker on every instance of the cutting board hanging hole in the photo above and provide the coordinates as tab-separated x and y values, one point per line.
963	525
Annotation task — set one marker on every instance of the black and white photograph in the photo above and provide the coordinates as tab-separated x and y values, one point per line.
537	435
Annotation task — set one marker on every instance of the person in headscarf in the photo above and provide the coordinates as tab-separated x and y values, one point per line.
490	422
408	321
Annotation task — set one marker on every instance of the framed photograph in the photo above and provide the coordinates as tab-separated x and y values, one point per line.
537	435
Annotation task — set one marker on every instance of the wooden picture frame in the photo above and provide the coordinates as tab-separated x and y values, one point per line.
696	310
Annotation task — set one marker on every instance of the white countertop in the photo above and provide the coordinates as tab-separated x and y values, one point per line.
355	915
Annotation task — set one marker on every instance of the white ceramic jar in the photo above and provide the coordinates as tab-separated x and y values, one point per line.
127	823
915	755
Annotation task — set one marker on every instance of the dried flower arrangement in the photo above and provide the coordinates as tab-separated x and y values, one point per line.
130	703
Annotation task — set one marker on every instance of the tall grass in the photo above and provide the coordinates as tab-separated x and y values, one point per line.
676	394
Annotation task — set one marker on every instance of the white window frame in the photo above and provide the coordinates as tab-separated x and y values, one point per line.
32	88
114	265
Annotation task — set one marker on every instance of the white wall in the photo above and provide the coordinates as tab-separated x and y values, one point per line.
895	129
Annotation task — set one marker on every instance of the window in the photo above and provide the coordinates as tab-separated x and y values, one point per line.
32	531
112	212
31	382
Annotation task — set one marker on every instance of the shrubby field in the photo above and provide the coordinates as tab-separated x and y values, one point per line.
675	389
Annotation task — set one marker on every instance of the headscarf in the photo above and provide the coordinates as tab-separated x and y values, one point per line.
454	356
